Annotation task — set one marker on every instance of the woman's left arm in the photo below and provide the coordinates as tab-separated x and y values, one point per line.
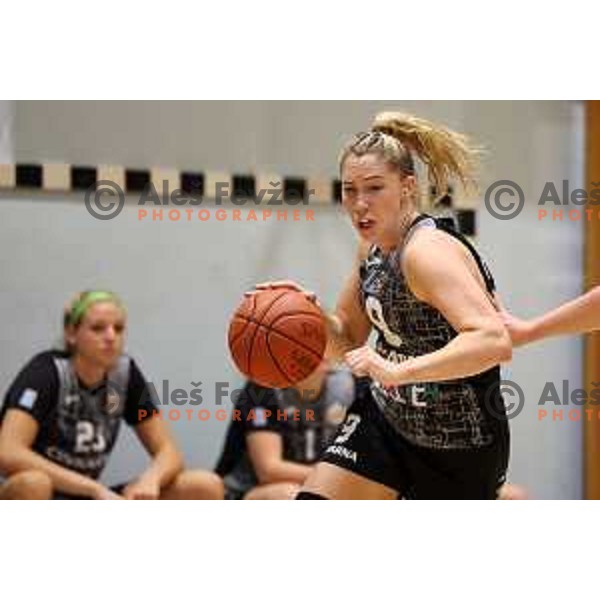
167	461
440	272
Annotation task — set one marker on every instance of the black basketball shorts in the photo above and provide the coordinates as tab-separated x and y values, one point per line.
366	444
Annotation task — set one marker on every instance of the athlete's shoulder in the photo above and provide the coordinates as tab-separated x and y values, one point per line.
37	380
426	244
429	256
46	359
434	238
436	255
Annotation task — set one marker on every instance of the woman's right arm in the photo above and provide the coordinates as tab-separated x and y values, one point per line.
578	316
17	435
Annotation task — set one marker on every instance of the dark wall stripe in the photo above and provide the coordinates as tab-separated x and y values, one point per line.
294	188
243	186
136	180
29	176
82	178
192	183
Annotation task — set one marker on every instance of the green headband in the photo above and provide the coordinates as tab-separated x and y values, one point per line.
80	307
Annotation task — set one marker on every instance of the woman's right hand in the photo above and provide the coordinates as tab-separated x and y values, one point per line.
104	493
286	284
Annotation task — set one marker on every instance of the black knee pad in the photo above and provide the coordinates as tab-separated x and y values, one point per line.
309	496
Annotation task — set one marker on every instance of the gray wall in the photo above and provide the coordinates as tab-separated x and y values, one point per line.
182	280
537	264
7	112
289	138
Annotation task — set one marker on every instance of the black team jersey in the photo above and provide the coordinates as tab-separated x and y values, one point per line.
306	426
78	426
457	414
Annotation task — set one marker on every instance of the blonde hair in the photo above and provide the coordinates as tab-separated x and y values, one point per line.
400	138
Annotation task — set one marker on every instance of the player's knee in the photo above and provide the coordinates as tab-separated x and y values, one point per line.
214	487
28	485
201	485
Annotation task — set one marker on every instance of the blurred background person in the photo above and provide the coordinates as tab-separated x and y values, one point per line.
62	414
277	434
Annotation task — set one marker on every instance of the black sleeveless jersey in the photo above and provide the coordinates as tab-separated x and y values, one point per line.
457	414
78	426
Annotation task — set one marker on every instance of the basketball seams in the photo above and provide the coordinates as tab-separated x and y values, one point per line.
279	327
275	361
292	342
233	340
249	361
316	317
287	337
295	313
283	294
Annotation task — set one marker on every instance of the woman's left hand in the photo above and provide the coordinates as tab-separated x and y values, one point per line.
364	361
144	488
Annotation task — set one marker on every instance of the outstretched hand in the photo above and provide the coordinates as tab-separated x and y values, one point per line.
520	330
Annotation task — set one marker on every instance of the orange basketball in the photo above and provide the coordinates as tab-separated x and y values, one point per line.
277	337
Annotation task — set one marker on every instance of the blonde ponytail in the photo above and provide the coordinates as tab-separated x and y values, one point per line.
446	154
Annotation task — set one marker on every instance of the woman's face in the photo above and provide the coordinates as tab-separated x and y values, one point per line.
377	197
99	338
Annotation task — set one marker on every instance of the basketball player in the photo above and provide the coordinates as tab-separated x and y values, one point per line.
581	315
432	424
61	416
280	433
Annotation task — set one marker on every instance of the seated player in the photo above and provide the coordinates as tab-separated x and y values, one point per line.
61	416
277	434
